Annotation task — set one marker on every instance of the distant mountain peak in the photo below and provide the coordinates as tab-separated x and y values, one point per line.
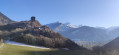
70	25
59	27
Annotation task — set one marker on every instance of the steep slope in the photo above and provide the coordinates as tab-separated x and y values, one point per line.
113	44
32	32
4	19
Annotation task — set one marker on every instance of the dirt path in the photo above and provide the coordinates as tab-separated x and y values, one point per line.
1	45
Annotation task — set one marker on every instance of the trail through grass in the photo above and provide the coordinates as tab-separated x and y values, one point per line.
1	45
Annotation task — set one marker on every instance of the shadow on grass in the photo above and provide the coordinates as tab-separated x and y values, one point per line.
60	52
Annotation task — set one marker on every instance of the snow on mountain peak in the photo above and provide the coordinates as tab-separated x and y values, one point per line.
59	27
70	25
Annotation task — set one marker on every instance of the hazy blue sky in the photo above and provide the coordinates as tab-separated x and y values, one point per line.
104	13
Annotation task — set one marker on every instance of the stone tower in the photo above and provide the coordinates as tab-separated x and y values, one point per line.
32	18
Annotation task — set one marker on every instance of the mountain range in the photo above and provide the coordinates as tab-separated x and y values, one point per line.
85	33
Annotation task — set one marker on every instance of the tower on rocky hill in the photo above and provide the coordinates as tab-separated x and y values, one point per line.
32	18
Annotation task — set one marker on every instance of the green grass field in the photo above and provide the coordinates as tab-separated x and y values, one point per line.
8	49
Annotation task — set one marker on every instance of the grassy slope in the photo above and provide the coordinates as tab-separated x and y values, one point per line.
22	50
